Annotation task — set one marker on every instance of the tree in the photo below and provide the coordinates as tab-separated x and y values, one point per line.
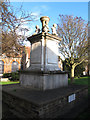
78	69
74	44
11	21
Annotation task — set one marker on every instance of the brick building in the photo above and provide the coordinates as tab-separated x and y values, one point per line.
12	64
9	64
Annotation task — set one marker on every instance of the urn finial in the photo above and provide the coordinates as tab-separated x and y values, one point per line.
45	21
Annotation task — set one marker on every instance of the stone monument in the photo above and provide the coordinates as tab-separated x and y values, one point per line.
44	72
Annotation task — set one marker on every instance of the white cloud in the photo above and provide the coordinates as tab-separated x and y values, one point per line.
44	8
39	10
25	30
36	15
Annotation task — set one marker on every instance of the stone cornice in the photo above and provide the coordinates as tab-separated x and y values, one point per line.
38	37
43	72
53	36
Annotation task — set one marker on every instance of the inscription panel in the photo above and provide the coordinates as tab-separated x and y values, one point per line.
52	52
36	53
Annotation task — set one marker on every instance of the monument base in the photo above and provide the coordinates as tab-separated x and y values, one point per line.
44	80
29	103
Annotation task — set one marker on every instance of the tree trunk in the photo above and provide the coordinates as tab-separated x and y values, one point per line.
72	74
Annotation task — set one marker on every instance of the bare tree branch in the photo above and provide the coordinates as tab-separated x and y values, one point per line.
74	44
11	21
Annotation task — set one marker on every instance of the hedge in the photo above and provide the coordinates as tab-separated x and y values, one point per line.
11	76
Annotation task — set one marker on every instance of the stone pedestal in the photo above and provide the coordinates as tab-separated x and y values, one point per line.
44	72
44	52
44	80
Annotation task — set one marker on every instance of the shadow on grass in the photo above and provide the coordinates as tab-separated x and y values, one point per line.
85	115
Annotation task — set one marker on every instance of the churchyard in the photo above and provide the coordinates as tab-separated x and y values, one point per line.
44	90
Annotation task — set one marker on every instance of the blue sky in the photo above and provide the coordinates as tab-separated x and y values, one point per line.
53	9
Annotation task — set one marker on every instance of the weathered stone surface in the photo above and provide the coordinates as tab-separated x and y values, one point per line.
45	21
36	53
42	73
44	52
29	103
44	58
44	81
54	32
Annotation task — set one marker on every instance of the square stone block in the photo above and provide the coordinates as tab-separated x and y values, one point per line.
43	80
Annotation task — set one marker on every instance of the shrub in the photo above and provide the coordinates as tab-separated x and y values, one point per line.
6	75
12	76
15	76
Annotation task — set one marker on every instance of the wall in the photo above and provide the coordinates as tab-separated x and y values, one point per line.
8	63
49	109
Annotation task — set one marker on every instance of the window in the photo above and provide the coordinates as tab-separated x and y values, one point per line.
14	66
1	67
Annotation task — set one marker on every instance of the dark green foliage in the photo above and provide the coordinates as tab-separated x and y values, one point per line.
78	69
6	75
66	68
12	76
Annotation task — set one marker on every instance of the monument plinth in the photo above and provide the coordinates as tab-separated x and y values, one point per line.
44	72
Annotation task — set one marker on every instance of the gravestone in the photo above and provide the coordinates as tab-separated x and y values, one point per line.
44	72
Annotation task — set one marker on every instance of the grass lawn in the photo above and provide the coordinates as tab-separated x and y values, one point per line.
81	80
8	82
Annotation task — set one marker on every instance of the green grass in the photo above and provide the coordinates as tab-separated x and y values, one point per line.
81	80
8	82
